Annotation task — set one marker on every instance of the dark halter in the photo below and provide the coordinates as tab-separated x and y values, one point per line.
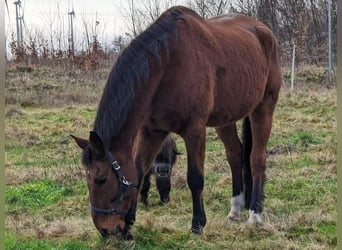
124	184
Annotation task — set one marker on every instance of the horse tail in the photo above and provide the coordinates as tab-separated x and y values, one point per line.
246	152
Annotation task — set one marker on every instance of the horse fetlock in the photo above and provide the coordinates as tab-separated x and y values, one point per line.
237	203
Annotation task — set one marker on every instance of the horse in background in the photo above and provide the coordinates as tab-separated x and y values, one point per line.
161	169
181	75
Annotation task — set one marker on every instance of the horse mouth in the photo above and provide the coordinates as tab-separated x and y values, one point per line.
118	233
123	234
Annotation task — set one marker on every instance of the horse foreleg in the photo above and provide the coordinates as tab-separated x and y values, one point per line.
232	144
164	187
148	147
195	146
145	188
129	221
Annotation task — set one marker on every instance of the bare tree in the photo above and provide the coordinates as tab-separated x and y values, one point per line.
86	33
132	17
210	8
303	22
138	16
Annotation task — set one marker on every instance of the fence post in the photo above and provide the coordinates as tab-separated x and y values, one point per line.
293	65
329	40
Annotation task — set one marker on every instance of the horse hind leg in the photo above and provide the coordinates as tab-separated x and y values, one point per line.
246	167
232	144
261	123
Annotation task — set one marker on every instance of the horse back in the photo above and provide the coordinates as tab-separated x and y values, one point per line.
218	71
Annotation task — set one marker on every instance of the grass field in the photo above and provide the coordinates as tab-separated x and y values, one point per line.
46	193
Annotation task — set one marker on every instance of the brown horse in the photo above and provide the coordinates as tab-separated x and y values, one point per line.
180	75
162	169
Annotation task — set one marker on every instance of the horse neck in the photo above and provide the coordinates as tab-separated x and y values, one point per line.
139	111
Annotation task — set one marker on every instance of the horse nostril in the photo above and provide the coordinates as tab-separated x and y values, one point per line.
104	232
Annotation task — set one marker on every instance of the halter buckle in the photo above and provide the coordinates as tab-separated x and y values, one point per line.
125	181
115	165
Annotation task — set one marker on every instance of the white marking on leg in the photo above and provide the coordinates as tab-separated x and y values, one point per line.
237	204
254	217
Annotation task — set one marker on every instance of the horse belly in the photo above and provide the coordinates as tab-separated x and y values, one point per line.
239	88
231	106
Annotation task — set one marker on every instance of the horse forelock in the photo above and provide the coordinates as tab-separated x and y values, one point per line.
131	71
168	152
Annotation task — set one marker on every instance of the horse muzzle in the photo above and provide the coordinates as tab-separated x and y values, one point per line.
162	169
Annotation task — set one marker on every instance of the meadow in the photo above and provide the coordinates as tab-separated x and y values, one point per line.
47	198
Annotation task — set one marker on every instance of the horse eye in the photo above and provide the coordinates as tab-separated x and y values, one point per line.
100	181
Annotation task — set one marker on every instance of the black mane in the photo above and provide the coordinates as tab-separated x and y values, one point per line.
130	70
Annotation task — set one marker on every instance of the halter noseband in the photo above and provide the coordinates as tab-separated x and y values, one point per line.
124	184
162	169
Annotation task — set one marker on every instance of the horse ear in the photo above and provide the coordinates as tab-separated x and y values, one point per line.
82	143
96	143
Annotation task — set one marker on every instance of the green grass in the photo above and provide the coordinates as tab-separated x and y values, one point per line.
36	194
14	243
303	138
47	203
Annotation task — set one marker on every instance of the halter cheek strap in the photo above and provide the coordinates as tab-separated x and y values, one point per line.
124	184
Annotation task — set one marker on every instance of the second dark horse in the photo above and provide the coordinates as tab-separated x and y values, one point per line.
162	169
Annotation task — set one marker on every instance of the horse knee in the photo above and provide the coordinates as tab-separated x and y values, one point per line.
258	164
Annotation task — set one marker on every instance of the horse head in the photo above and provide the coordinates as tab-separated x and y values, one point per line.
112	195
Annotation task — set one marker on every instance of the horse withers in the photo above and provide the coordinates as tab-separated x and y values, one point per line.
181	75
162	170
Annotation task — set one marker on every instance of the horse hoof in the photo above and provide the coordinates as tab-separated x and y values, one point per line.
197	230
144	200
165	200
254	218
233	217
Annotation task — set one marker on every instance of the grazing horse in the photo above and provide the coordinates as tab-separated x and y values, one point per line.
181	74
162	169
